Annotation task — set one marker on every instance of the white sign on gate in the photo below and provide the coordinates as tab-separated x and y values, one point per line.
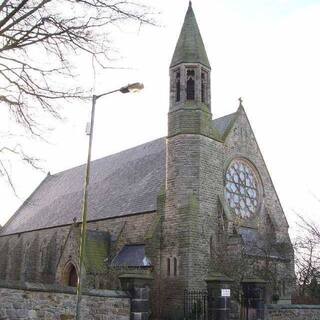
225	293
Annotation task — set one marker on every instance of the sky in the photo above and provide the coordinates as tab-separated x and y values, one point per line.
265	51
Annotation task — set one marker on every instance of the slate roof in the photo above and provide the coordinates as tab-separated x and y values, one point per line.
131	256
190	47
255	245
124	183
224	123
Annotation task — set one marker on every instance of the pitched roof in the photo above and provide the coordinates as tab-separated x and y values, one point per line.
224	124
131	256
258	245
190	47
124	183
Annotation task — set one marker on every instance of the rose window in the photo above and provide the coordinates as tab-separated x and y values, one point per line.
241	188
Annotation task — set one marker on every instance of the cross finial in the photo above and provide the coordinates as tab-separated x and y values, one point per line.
190	4
240	101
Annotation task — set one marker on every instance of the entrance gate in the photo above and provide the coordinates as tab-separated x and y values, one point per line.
252	306
195	305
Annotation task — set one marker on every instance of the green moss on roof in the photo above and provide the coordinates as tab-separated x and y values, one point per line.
190	47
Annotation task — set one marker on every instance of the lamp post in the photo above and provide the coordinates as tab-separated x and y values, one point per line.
134	87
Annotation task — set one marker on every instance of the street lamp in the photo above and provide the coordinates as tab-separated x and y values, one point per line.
134	87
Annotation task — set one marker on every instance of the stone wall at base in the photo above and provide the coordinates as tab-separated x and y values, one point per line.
34	301
292	312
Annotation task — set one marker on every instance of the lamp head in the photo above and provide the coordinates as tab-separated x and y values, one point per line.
133	87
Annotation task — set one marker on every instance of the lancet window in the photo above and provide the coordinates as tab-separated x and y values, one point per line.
204	86
168	267
175	266
190	84
178	86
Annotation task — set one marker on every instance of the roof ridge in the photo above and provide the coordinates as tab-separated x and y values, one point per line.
57	200
226	115
105	157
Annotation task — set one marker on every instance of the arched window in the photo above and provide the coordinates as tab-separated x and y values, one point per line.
204	86
190	84
177	86
175	266
73	277
283	287
70	277
211	247
43	250
168	267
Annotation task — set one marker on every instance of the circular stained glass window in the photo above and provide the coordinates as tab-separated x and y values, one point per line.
241	188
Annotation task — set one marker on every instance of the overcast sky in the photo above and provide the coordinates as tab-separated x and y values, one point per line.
265	51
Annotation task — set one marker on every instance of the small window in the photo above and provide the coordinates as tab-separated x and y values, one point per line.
190	84
283	288
168	267
177	86
204	87
70	276
73	277
211	247
175	266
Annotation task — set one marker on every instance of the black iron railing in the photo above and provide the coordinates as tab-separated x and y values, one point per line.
195	305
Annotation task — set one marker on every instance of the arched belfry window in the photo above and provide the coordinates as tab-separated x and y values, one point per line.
190	84
177	79
204	86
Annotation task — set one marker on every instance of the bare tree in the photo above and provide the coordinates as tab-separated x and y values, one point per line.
243	253
38	39
307	256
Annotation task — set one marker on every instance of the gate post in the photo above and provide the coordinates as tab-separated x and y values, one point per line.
219	296
138	287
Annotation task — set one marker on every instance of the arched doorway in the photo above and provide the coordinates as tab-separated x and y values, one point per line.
70	277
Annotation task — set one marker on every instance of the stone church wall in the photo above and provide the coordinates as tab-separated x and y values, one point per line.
30	301
292	312
34	256
241	143
31	256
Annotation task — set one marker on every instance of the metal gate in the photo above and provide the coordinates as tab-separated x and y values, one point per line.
252	306
195	305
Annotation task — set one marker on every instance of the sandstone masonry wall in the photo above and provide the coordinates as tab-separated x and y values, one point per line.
33	301
292	312
33	256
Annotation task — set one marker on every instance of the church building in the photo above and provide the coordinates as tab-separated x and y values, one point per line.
194	205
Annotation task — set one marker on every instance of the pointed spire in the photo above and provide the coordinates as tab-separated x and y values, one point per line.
190	47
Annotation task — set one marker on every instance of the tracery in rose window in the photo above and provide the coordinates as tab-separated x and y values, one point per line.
241	188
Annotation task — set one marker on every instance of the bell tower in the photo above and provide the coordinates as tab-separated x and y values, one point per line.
190	96
191	143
